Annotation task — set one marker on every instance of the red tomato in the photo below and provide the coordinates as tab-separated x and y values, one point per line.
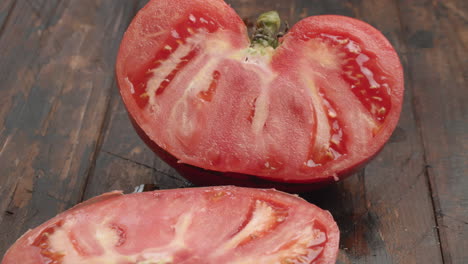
310	111
200	225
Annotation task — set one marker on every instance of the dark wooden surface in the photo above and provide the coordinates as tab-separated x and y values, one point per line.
65	136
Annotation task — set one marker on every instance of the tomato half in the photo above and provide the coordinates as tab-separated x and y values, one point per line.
200	225
309	111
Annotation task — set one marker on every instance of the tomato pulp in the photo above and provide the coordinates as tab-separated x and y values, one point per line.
306	111
199	225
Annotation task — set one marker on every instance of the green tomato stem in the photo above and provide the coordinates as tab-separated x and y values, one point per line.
266	30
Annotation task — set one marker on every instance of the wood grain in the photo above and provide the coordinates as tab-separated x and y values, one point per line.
375	207
65	135
437	55
123	161
56	75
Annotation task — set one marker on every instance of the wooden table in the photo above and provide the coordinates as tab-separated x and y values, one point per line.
65	136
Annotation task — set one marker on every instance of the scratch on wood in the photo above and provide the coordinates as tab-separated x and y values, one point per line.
78	62
98	146
34	213
118	21
142	164
405	162
5	143
23	192
393	204
75	138
402	252
417	119
57	198
53	109
452	217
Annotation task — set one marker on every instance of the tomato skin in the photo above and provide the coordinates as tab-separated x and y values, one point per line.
201	225
204	177
244	170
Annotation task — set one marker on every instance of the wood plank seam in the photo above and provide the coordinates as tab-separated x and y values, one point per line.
100	140
362	179
434	203
367	204
48	37
103	128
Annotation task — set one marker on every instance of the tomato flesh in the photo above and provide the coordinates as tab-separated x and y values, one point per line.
179	34
312	110
42	242
202	225
360	70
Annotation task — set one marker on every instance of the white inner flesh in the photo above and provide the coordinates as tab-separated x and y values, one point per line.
302	246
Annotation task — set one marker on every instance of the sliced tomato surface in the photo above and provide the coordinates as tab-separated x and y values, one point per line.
199	225
322	103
